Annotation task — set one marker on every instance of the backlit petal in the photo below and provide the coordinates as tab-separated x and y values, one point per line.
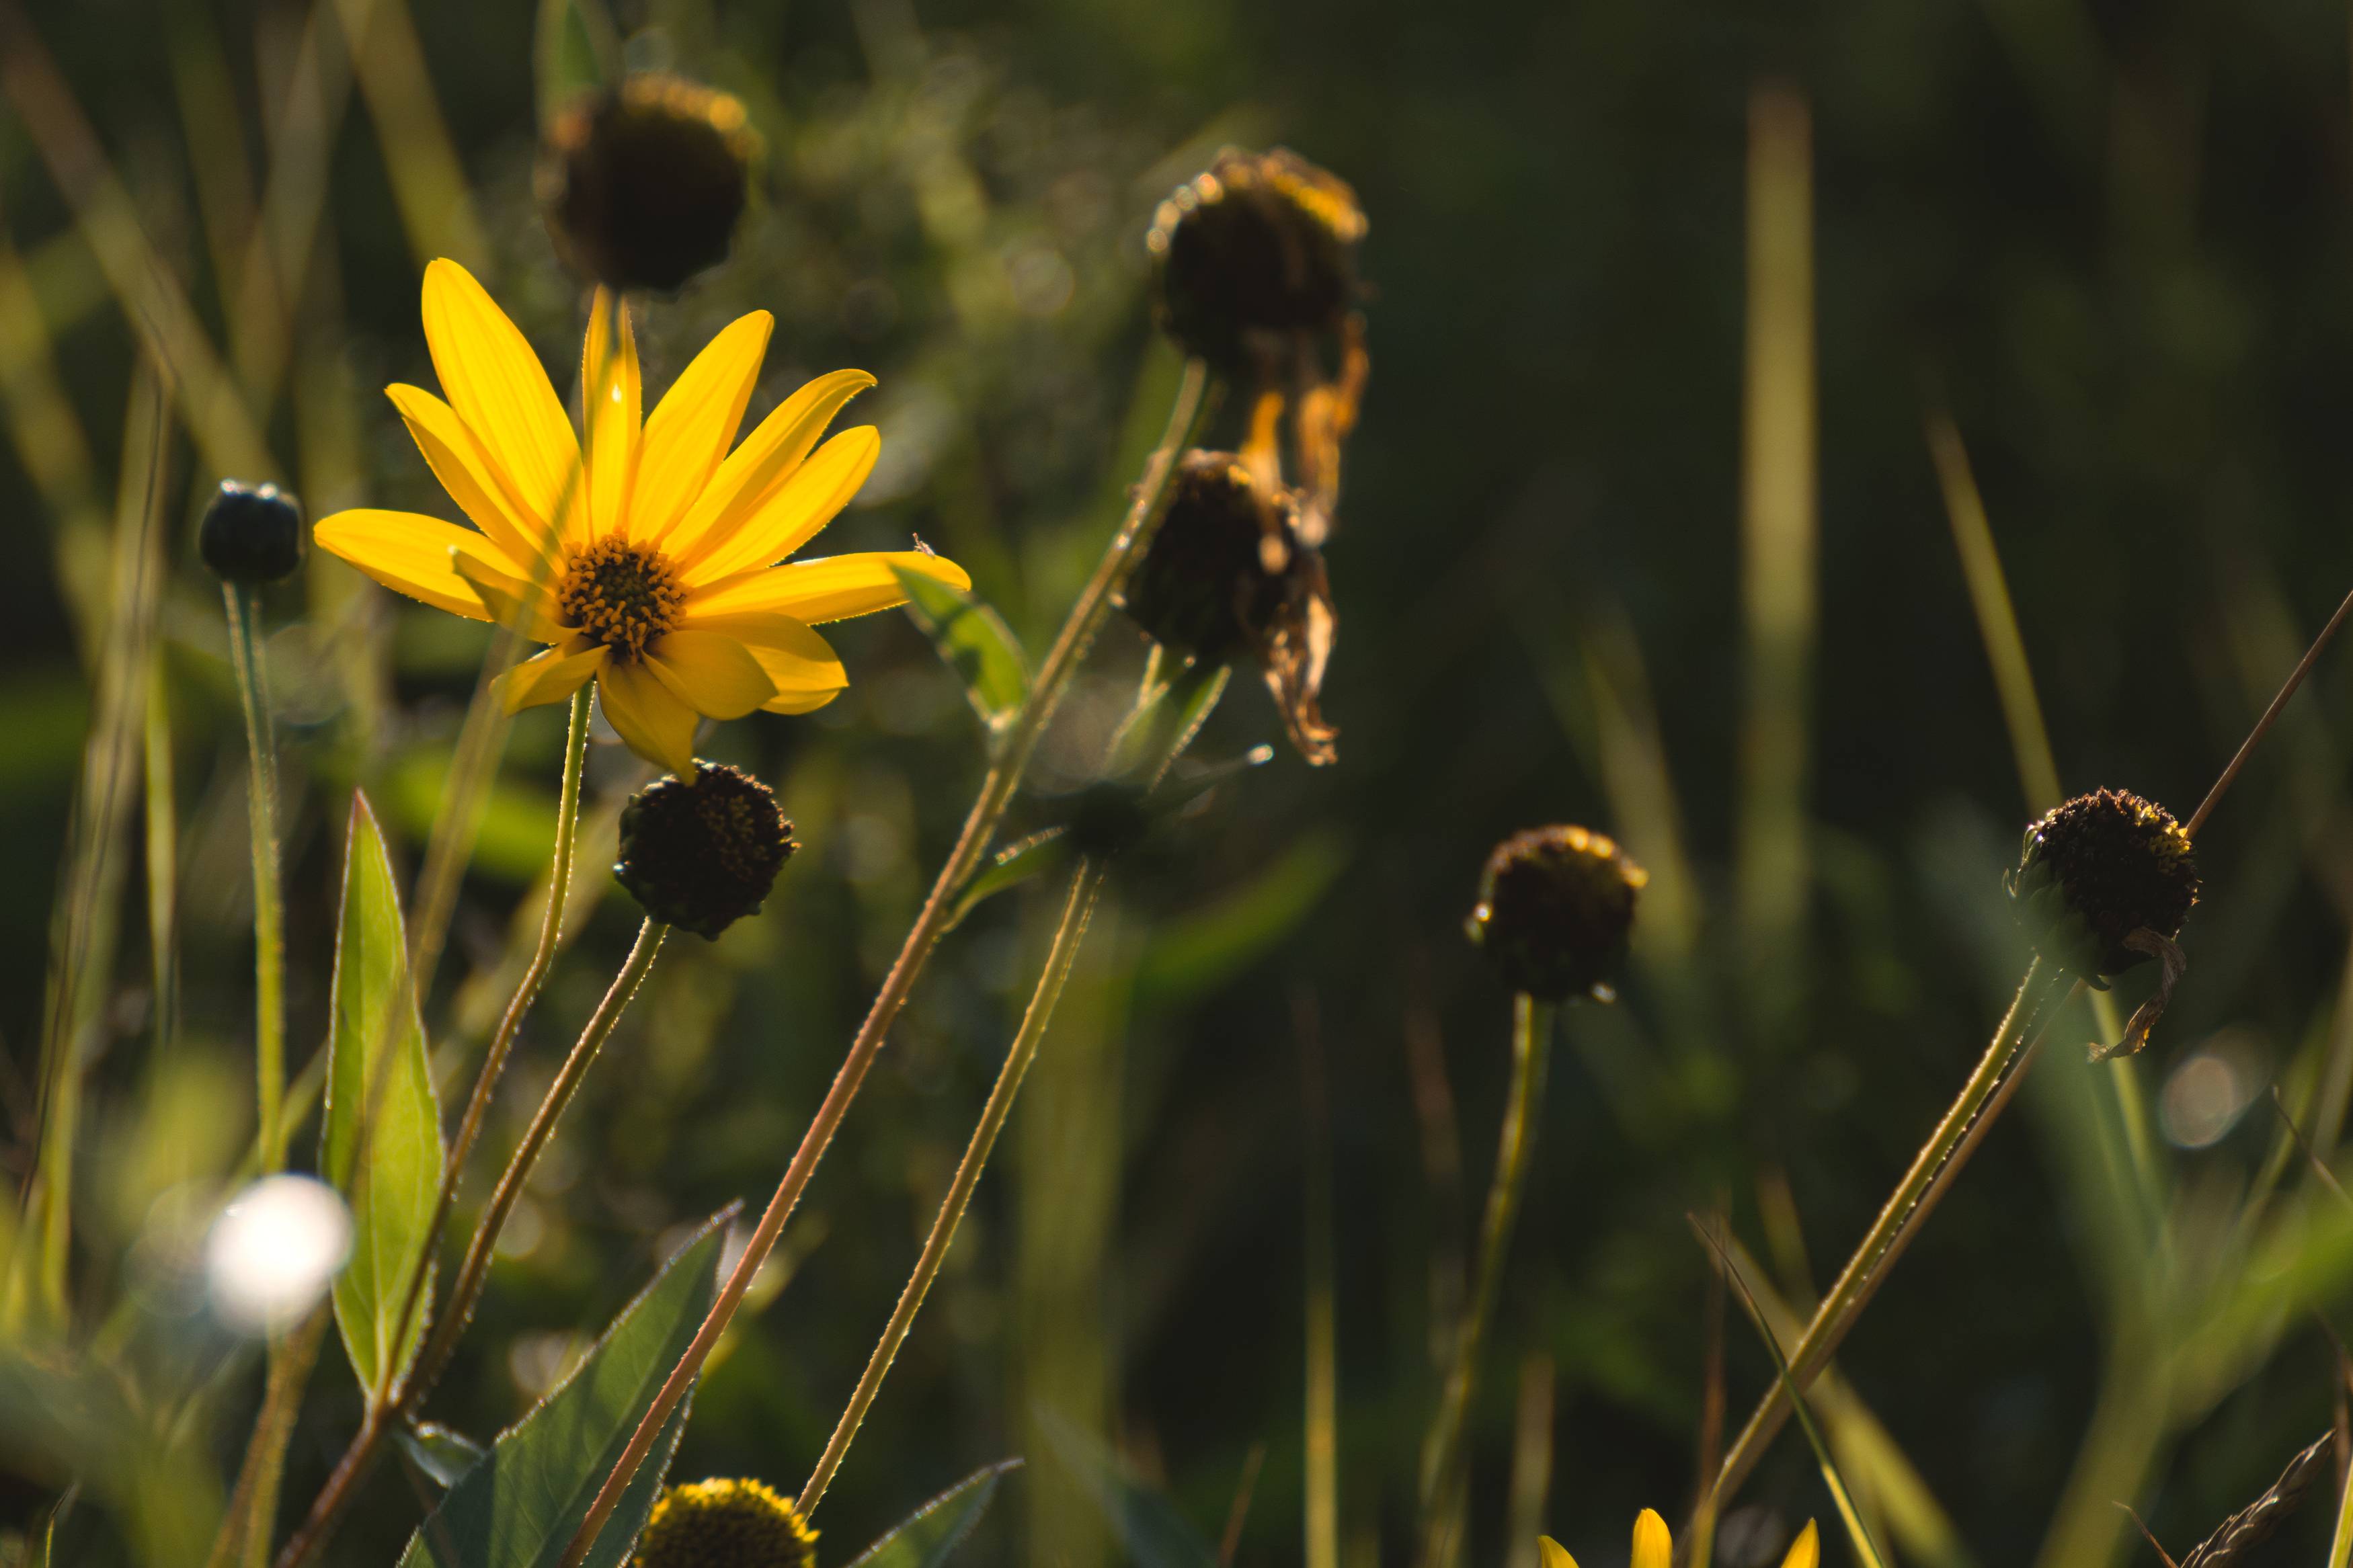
797	661
609	393
793	514
552	674
695	423
712	673
753	471
799	701
832	588
470	474
497	386
647	716
1806	1552
413	555
1554	1553
1654	1547
526	604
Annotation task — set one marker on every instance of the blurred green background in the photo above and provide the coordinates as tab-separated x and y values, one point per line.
2112	240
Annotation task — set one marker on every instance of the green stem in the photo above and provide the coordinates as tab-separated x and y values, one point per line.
244	1538
381	1419
1931	1170
1086	618
1086	882
494	1061
1532	1028
268	912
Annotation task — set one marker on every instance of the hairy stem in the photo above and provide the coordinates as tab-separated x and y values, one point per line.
269	910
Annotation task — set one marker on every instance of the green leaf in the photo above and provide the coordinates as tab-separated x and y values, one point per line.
1147	1524
521	1507
1014	865
575	51
381	1145
973	640
442	1454
925	1537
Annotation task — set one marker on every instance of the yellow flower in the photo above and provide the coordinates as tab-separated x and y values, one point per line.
649	562
1655	1547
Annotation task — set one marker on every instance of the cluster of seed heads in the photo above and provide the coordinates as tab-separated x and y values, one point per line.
622	595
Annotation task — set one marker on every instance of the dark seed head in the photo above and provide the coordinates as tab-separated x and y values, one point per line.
701	856
1259	246
1555	908
2095	870
725	1524
642	185
251	533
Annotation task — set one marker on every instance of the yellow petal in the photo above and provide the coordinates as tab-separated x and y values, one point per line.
833	588
791	515
414	554
500	389
1805	1551
512	600
609	393
797	661
693	423
472	478
799	701
710	672
752	471
643	711
1554	1553
1654	1547
551	674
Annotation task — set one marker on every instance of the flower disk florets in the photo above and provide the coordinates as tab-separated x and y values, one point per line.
2094	871
725	1524
1260	244
701	856
622	595
1556	908
252	533
643	185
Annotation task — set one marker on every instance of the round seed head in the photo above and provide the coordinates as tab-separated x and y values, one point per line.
725	1524
251	533
642	185
701	856
1556	908
1258	245
2095	870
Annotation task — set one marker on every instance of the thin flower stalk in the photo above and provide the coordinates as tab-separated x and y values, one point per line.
1531	1029
244	1538
269	909
1078	907
1193	402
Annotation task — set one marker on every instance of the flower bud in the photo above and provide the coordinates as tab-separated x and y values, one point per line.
2097	870
251	534
642	186
701	856
1262	245
1228	573
725	1524
1555	908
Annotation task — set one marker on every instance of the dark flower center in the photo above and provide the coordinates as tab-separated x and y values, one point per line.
623	594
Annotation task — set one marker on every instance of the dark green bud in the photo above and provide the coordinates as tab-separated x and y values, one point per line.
643	184
1556	909
2094	871
252	534
701	856
1257	249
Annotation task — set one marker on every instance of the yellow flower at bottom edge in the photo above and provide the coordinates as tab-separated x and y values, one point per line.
647	556
1655	1547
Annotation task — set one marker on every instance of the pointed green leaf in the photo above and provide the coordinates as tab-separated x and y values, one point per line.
1014	865
520	1507
442	1454
974	642
1147	1524
925	1537
577	50
381	1145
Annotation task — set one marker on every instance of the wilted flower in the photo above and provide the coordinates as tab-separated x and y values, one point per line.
274	1250
2095	872
1654	1546
1257	249
646	560
1228	574
704	854
725	1524
251	534
1555	908
643	184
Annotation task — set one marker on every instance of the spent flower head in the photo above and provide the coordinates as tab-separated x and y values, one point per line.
1556	908
1229	574
647	555
251	534
701	855
2095	873
725	1524
1256	249
643	183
